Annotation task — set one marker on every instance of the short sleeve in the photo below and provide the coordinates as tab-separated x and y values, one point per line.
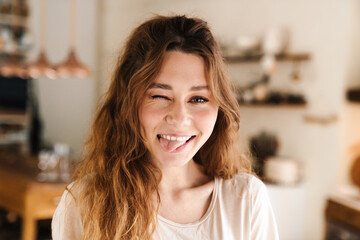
66	222
263	223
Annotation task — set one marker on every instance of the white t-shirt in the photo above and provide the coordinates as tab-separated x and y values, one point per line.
239	209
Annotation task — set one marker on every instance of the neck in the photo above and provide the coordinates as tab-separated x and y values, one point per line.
175	179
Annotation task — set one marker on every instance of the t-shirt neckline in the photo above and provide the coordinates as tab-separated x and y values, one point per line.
203	218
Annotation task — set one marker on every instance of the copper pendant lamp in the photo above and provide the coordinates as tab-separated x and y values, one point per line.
13	68
72	67
41	67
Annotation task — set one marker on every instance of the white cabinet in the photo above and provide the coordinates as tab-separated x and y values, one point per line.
288	203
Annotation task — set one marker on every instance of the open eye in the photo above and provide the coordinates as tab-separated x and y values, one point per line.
198	100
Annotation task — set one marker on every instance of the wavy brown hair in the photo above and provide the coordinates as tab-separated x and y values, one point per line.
117	181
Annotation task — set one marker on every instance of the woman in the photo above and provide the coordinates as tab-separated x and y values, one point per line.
162	160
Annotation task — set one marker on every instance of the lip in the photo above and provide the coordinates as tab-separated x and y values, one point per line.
177	134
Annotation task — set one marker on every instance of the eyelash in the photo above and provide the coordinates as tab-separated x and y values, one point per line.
160	96
196	99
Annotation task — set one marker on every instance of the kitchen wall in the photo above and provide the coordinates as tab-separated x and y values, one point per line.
66	105
327	29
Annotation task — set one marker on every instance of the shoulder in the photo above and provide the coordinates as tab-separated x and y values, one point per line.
77	188
66	221
246	195
67	202
243	185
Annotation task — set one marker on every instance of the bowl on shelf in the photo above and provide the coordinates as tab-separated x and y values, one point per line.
247	45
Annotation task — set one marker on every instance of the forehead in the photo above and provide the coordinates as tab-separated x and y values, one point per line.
184	68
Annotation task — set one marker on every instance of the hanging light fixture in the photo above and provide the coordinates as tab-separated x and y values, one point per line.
41	67
72	66
13	68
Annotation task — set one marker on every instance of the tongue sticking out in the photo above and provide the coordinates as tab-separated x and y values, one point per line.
170	146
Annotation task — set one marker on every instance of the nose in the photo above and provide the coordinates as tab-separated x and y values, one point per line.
178	114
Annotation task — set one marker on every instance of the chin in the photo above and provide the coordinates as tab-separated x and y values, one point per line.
172	161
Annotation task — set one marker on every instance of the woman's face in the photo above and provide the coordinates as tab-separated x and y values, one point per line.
178	112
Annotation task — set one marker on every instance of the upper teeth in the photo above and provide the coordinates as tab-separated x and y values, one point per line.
173	138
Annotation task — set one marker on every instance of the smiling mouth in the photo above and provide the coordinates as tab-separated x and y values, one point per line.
173	144
173	138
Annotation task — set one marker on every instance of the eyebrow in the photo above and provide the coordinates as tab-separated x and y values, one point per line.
168	87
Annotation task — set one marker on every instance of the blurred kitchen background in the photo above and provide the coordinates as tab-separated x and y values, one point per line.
294	65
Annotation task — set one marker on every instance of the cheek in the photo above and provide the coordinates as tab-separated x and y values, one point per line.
146	125
150	116
206	119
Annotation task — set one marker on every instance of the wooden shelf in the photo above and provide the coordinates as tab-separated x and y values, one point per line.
17	116
11	142
18	54
297	57
280	106
344	214
13	20
6	111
